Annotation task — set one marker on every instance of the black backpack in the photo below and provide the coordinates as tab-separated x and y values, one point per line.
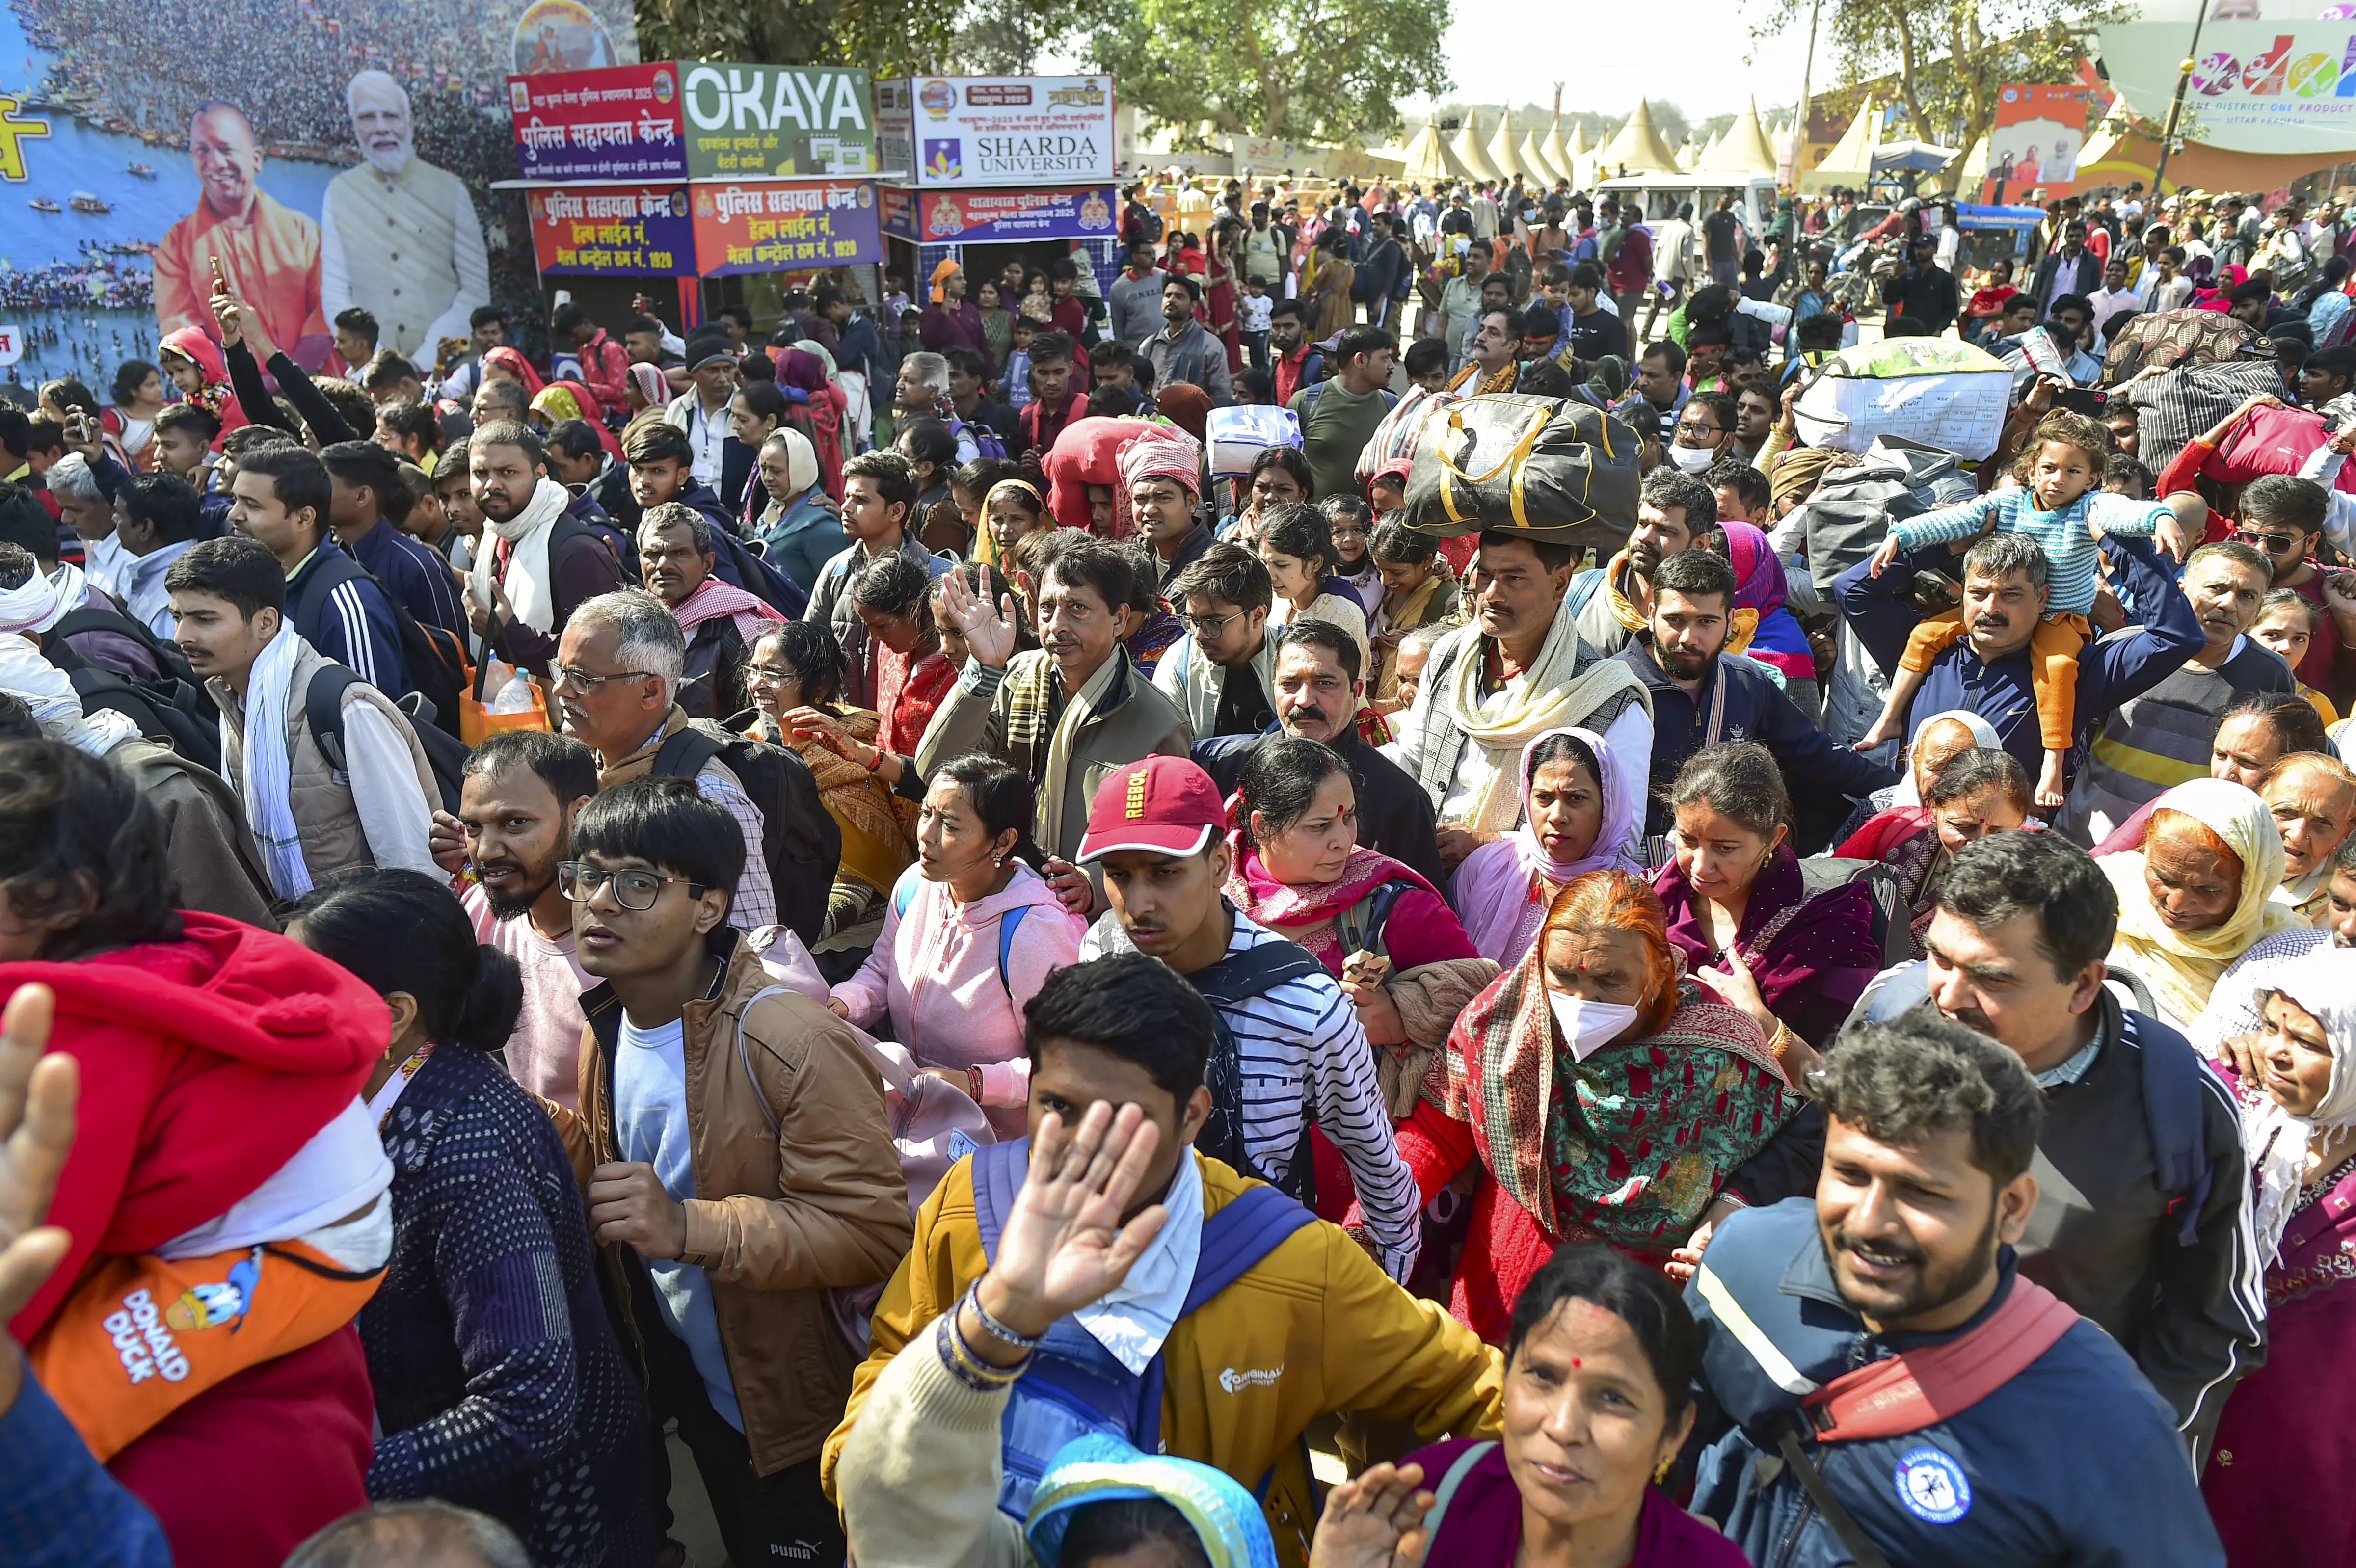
171	707
323	709
801	843
438	665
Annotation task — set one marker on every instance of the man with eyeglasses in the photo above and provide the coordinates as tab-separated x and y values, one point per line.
1223	676
731	1201
1704	431
619	670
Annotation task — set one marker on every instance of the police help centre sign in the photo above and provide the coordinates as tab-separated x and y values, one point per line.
981	130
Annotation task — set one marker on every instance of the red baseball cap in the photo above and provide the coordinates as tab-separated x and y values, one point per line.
1167	805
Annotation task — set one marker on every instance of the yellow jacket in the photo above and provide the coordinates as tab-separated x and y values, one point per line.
1317	1312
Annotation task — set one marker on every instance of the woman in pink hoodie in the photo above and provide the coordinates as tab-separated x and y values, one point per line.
970	935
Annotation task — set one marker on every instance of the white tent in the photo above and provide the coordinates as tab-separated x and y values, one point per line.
1466	150
1427	162
1744	149
1850	161
1504	156
1533	159
1636	146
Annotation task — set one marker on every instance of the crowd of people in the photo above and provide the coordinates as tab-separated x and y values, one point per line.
1033	973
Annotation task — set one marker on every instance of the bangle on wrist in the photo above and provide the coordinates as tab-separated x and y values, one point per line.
993	1327
877	761
973	1083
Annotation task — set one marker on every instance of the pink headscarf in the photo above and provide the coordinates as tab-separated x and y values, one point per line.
802	369
1503	888
651	385
513	361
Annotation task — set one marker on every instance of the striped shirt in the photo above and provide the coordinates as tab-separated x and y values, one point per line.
2064	535
1300	1052
756	903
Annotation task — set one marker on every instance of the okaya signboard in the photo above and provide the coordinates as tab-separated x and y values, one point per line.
673	119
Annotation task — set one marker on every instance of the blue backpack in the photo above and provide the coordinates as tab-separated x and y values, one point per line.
903	894
2171	1098
1074	1386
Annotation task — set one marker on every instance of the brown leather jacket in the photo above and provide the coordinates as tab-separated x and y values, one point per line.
791	1200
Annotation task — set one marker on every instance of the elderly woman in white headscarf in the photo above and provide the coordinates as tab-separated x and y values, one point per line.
2197	893
2282	1487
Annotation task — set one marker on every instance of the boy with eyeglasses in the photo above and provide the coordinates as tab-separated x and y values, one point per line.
739	1164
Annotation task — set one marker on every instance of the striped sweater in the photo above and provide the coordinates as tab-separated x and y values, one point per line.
2071	555
1303	1055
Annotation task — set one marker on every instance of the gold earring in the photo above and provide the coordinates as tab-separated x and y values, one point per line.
1661	1471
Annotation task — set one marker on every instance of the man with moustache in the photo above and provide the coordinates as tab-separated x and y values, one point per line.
269	254
514	824
1319	690
1700	698
1611	601
1906	1247
398	236
1986	670
2145	1225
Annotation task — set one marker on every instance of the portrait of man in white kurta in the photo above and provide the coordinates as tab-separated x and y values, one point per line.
398	236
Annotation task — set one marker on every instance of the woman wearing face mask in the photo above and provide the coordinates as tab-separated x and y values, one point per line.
1794	959
1600	1364
2278	1483
1557	1088
1583	810
1375	925
2198	892
970	934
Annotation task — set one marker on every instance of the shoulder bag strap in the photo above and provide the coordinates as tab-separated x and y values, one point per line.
1852	1535
1446	1491
744	1053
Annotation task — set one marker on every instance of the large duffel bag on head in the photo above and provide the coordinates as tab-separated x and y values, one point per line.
2166	339
1396	440
2176	405
1556	469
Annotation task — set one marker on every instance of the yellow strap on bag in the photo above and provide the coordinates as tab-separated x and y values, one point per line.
1516	453
140	1337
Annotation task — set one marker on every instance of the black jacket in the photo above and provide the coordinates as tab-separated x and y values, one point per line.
1926	294
1756	709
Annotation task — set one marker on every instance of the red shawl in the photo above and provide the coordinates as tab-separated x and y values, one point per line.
206	1064
905	699
1420	929
714	599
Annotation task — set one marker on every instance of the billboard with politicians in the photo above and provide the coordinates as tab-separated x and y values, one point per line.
327	153
2034	142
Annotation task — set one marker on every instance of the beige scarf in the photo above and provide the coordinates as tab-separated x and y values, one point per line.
1077	711
1555	694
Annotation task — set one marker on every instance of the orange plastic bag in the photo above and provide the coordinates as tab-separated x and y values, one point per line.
140	1337
477	723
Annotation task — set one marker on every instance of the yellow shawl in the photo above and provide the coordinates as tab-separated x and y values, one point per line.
2180	966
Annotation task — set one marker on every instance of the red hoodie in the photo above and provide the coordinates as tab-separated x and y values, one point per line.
206	1064
215	398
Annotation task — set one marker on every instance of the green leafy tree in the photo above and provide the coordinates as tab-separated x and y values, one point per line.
1302	71
1946	59
890	38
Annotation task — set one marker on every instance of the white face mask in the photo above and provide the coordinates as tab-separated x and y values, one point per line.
1588	1026
1692	459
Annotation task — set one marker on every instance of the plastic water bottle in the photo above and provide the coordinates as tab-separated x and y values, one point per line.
516	696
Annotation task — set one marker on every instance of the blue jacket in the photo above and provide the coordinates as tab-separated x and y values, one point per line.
1756	709
340	609
2074	1461
415	577
2109	670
